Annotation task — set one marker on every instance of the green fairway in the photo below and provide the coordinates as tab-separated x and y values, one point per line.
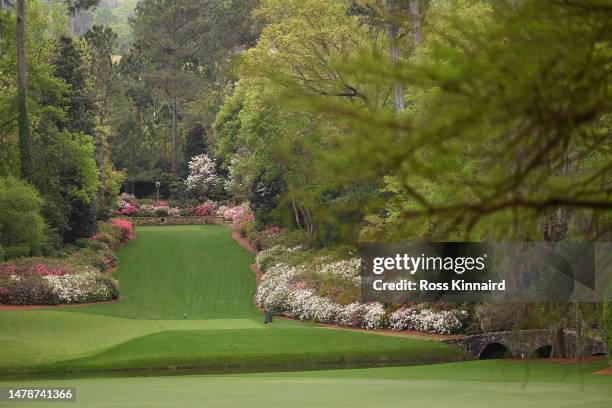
176	272
468	384
258	350
186	303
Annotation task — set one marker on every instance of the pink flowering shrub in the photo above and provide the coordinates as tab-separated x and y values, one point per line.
232	213
273	231
206	209
29	281
128	209
244	223
43	270
126	228
126	205
161	203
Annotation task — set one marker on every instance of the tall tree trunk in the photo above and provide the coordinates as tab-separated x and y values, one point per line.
25	143
296	213
393	46
415	23
174	138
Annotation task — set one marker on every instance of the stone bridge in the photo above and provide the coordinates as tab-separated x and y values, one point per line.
525	344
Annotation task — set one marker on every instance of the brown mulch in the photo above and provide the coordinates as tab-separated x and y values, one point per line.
403	333
244	242
258	273
605	371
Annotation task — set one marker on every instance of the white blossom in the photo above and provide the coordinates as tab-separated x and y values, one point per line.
202	175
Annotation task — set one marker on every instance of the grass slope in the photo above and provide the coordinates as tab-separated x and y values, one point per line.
198	271
472	384
172	271
258	350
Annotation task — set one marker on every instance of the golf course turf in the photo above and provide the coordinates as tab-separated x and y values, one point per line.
186	308
471	384
186	304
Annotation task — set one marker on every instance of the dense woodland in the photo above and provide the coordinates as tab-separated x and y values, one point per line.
340	121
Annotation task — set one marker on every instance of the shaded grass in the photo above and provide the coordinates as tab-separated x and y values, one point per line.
464	385
209	351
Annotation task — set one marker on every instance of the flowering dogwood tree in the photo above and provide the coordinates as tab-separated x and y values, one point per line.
202	175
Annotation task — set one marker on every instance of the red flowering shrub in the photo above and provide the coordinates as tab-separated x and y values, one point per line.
125	226
7	269
43	270
205	210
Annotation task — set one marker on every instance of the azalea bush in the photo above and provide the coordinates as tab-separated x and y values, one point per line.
125	226
233	213
316	286
50	281
261	239
79	274
83	287
127	205
428	320
283	291
206	209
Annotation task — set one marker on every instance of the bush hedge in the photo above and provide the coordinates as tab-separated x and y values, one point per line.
22	229
78	277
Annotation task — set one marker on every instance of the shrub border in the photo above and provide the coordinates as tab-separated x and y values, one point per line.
178	220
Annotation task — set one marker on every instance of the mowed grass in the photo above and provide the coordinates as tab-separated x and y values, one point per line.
177	272
258	350
31	338
186	303
471	384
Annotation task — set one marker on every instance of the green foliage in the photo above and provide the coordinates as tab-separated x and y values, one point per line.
608	322
502	133
68	179
109	235
21	225
72	65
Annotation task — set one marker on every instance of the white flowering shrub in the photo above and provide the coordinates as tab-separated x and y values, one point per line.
267	258
304	304
84	287
368	316
403	319
202	175
348	270
374	317
428	320
284	290
275	287
271	256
